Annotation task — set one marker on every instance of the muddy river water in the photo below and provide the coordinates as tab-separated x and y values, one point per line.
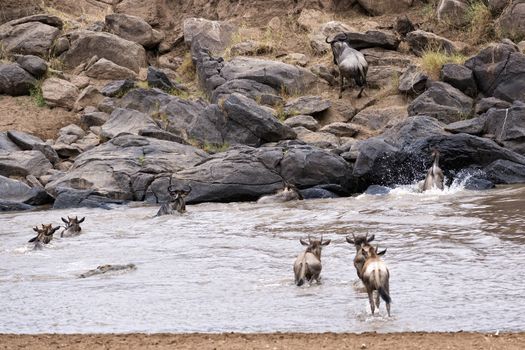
456	260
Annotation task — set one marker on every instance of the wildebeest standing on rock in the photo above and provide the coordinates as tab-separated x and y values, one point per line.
72	227
352	63
288	193
44	235
307	266
176	202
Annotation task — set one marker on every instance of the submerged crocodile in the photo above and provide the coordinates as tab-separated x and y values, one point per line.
107	268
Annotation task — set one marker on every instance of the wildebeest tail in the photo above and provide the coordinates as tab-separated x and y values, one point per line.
302	273
384	295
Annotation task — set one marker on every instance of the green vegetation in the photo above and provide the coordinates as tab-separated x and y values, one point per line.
186	68
433	60
280	113
36	94
481	24
213	148
142	160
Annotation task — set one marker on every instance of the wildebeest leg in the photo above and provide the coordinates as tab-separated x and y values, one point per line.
377	300
341	86
371	299
360	92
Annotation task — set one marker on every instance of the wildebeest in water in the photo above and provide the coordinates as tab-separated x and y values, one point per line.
44	235
176	202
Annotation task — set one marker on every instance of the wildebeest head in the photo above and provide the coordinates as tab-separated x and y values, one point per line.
315	246
338	45
288	187
359	241
176	193
73	223
44	234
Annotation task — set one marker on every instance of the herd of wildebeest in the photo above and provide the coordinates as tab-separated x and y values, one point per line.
371	270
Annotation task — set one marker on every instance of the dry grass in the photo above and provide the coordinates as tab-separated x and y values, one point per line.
186	68
481	24
433	60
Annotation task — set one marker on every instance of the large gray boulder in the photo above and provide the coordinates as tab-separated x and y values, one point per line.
443	102
14	80
33	35
59	93
15	191
248	88
453	12
23	163
86	44
124	167
505	172
6	144
246	173
308	105
259	121
278	75
419	41
373	38
106	69
459	77
507	126
512	20
381	7
212	35
498	70
134	29
34	65
413	81
28	142
126	121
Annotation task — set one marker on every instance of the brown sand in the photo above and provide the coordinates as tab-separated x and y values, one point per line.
416	340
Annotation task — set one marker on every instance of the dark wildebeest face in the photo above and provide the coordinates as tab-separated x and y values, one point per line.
178	198
72	226
44	234
307	265
361	244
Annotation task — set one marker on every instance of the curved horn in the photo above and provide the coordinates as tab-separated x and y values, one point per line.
188	192
171	188
328	42
346	35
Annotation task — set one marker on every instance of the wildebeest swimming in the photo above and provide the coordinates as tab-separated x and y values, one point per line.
307	266
44	235
72	227
434	178
288	193
176	202
361	244
107	268
375	277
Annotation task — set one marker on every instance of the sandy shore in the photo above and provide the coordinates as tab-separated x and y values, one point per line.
235	341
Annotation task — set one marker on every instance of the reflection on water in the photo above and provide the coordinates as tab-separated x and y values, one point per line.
456	259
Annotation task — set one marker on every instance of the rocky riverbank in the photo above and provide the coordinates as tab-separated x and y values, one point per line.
234	108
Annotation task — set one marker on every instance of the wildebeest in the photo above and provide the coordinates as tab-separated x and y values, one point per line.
434	178
307	266
361	243
176	202
352	63
44	235
107	268
72	227
375	276
288	193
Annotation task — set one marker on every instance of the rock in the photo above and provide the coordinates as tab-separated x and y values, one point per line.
383	77
403	25
126	121
93	119
159	79
106	69
377	190
317	193
325	73
412	81
29	38
498	72
474	183
381	57
61	46
378	119
259	121
134	29
278	75
305	121
453	12
118	88
23	163
497	6
459	77
69	134
419	41
341	129
249	48
306	105
28	142
14	191
111	168
401	154
72	198
13	206
487	103
246	173
381	7
86	44
90	96
34	65
6	144
208	68
372	38
160	134
512	20
298	59
473	126
248	88
508	126
212	35
505	172
59	93
14	80
79	81
443	102
317	139
149	11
